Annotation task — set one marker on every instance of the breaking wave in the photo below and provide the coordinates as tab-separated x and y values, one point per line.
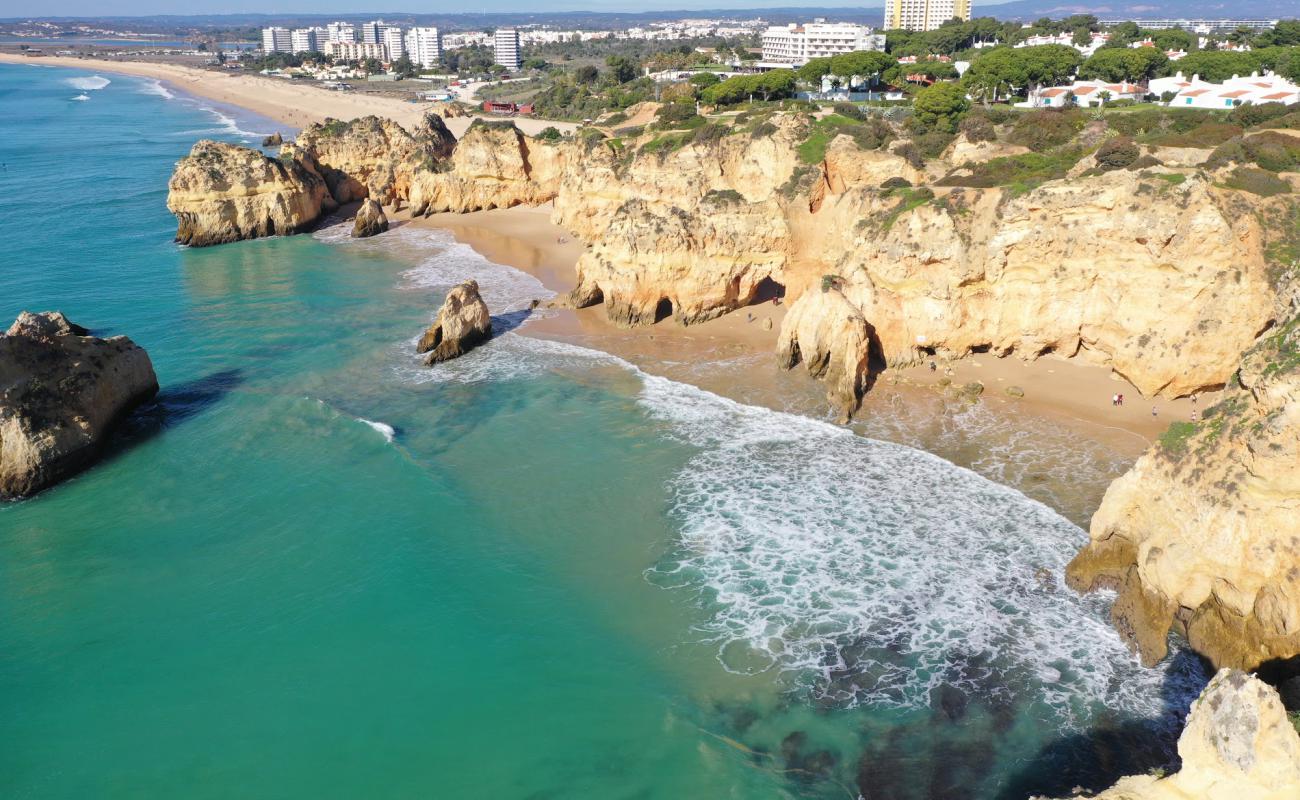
155	86
92	83
383	429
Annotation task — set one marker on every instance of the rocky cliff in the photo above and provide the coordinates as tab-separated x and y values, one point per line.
493	165
61	393
1203	534
1238	745
223	193
831	338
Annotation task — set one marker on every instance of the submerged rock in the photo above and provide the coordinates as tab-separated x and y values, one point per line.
1238	745
61	392
462	324
370	219
224	193
831	338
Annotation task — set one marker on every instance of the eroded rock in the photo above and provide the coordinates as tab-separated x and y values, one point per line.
370	219
831	338
61	393
462	324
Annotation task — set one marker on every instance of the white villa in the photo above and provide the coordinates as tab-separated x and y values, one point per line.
1254	88
1084	93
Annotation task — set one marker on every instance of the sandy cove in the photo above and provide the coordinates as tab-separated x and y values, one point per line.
294	103
1058	388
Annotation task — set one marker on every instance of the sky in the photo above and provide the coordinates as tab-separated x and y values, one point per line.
102	8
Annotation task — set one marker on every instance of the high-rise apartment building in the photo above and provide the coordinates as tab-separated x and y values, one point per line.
391	39
341	32
923	15
798	44
308	40
507	48
373	32
424	46
277	40
355	51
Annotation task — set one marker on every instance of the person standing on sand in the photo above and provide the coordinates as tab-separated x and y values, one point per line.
1121	399
1153	411
1114	399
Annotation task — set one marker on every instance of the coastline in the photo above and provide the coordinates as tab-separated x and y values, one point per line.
1069	390
291	103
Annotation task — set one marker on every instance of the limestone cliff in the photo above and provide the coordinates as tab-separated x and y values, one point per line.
462	324
493	165
1238	745
61	393
223	193
1203	534
832	339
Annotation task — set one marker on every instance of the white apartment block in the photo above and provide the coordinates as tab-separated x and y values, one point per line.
1197	25
798	44
924	15
507	48
341	32
424	46
308	40
393	42
356	51
277	40
373	32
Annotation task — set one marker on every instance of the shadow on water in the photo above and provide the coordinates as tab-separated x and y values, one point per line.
507	322
1097	758
171	406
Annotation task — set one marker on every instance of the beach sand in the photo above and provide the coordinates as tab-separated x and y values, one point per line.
294	103
1069	390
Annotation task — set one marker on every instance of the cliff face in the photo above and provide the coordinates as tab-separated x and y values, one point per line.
1203	534
831	338
1238	744
61	392
223	193
492	166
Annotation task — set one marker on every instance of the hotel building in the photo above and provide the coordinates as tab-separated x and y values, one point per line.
796	45
424	46
277	40
507	48
923	15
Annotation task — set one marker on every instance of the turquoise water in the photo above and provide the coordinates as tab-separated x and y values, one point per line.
314	568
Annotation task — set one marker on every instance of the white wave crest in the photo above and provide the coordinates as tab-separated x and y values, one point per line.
384	430
92	83
155	87
82	97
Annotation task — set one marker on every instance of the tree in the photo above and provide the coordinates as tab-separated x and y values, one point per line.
549	134
1216	66
622	68
940	107
535	63
403	68
813	71
586	74
866	64
703	80
1127	64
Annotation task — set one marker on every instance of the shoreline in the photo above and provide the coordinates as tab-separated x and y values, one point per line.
1069	390
292	103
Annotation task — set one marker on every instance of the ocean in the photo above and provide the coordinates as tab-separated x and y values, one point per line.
315	568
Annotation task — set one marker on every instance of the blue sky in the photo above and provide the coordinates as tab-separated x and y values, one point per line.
18	8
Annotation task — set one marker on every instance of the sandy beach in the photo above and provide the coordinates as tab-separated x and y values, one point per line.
1070	390
294	103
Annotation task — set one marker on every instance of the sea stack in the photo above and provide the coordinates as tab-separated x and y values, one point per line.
61	393
462	324
370	220
831	338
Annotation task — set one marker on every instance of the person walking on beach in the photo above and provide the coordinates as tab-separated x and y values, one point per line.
1153	411
1114	399
1121	399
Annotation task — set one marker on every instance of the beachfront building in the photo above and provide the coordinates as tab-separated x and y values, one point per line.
1085	94
277	40
424	46
355	51
506	47
1236	91
796	45
393	42
923	15
341	32
309	40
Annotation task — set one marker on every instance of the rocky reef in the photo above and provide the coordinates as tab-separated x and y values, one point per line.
462	324
370	219
1202	535
1238	744
223	193
61	393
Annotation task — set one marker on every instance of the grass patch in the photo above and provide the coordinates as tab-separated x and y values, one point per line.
868	134
1257	181
1019	174
908	199
1174	441
1171	178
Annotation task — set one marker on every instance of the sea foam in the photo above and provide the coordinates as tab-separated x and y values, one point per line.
90	83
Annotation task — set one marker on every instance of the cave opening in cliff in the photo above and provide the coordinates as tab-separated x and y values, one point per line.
664	310
766	291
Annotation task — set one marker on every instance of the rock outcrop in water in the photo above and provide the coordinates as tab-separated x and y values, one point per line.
1203	533
61	392
831	338
1238	745
223	193
370	219
462	324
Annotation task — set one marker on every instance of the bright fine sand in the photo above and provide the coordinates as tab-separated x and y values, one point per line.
294	103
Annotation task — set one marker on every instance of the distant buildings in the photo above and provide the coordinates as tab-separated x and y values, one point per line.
393	42
1085	94
341	32
356	51
506	46
795	45
277	40
923	15
1197	25
1236	91
309	40
424	46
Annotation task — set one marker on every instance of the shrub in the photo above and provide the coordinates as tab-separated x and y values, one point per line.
1206	134
672	115
978	128
911	152
615	119
1251	115
1145	162
709	133
704	79
1046	129
550	134
895	182
762	129
849	110
933	143
1257	181
1021	173
1000	115
1275	152
1117	153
